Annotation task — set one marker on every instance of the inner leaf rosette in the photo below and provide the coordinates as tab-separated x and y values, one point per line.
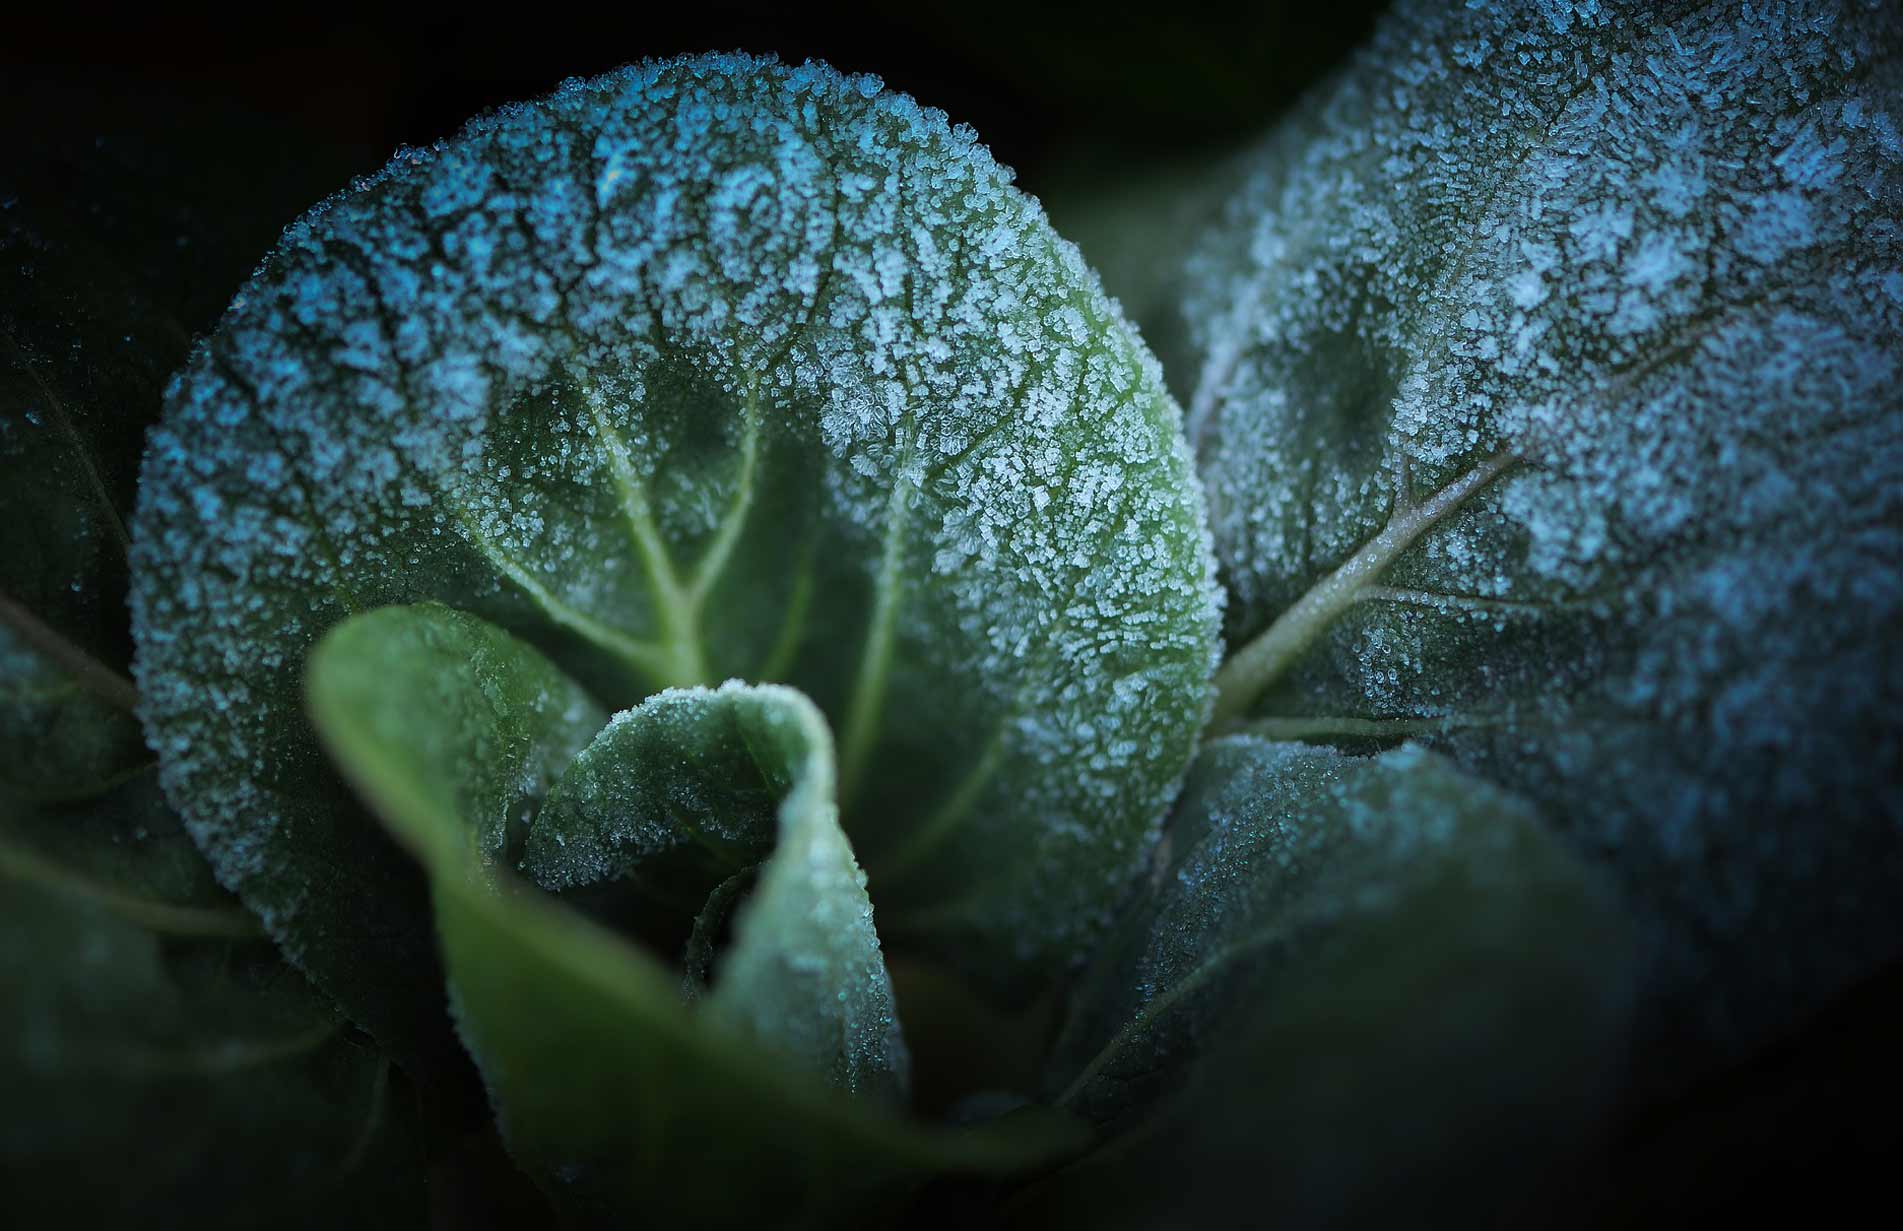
703	369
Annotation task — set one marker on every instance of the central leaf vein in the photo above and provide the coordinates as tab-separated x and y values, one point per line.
674	608
1268	657
875	662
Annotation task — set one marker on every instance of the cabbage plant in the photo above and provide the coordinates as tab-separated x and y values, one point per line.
687	665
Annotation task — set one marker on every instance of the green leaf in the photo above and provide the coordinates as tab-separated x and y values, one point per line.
67	728
670	800
479	722
704	369
711	924
66	717
147	1026
1362	988
611	1090
1554	420
124	852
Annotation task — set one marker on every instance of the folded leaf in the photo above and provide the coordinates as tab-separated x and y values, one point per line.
1362	988
480	722
742	776
1549	405
611	1090
708	368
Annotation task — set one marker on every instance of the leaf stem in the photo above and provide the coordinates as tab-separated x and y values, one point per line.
1263	661
1166	1001
925	839
786	645
103	682
648	656
226	1056
372	1121
1308	728
714	562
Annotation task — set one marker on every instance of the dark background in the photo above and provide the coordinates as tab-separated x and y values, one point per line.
1042	84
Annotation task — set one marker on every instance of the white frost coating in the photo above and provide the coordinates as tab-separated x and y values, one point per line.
704	368
1653	257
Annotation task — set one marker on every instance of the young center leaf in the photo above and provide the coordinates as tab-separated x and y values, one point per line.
611	1088
1548	403
704	369
1359	989
743	779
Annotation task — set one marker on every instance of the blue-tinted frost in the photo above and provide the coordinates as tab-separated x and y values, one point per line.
1646	263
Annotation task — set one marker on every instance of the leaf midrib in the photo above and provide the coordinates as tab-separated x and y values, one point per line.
83	669
1252	669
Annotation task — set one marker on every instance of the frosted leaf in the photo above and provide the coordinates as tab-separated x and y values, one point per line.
1360	990
686	792
1548	406
702	369
1137	231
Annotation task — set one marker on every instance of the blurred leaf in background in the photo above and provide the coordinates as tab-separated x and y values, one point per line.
147	1028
